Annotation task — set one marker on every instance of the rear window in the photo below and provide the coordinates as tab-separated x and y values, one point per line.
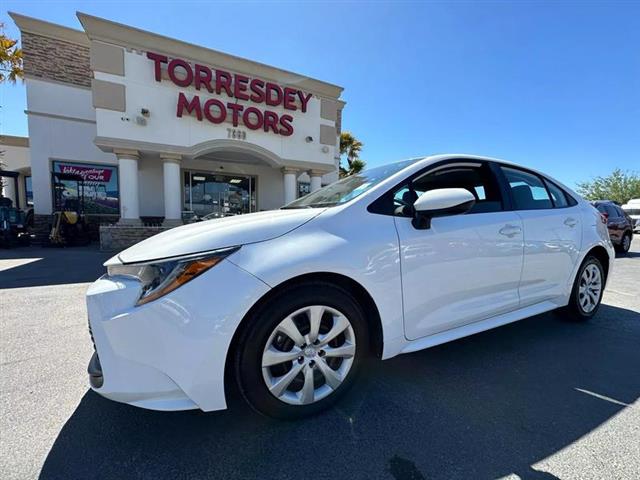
527	190
607	209
558	195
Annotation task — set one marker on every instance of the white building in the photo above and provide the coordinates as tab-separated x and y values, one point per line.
164	129
14	158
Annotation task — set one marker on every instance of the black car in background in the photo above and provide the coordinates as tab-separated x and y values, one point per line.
620	225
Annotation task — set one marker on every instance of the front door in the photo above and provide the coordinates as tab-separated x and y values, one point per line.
465	268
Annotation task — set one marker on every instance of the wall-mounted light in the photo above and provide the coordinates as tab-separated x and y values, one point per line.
145	112
309	139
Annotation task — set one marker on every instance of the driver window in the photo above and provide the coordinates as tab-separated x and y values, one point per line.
478	180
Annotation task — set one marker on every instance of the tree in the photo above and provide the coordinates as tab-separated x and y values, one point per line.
351	147
619	186
10	59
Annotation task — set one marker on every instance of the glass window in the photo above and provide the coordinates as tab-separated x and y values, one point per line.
608	209
214	195
621	212
350	187
304	188
28	188
96	185
617	210
478	180
557	194
527	190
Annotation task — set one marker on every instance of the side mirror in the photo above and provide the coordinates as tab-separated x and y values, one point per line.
441	202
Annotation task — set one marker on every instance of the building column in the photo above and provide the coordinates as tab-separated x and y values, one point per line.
129	197
290	184
316	179
172	190
9	189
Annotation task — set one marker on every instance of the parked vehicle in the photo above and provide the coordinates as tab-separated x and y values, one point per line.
288	304
13	225
68	222
618	222
633	210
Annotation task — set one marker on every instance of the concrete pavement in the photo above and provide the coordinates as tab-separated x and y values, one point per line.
542	398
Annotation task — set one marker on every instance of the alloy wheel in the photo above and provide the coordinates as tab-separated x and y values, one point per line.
308	355
590	288
626	243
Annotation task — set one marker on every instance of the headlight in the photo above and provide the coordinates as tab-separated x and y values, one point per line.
163	276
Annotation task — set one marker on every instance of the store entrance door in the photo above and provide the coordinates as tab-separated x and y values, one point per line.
214	195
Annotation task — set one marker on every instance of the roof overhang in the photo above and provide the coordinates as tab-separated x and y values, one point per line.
48	29
130	37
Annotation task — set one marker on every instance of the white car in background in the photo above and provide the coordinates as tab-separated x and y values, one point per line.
633	210
288	304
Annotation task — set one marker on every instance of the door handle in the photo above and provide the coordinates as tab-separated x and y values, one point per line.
570	222
510	230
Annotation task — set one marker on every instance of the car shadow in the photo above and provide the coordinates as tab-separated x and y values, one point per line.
629	254
481	407
38	266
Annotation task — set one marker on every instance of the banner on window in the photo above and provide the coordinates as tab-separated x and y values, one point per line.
98	188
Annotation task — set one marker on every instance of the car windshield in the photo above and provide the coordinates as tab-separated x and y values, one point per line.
348	188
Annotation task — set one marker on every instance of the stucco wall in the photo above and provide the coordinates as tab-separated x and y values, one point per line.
15	158
61	127
165	128
151	187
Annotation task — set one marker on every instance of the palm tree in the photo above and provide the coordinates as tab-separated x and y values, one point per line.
10	58
351	147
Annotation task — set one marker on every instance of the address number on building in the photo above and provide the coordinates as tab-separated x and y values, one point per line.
236	134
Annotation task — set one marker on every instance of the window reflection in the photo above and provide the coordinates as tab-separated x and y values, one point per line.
218	195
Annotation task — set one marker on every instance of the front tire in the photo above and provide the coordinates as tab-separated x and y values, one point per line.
301	351
587	291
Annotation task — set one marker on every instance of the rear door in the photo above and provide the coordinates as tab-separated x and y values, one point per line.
552	234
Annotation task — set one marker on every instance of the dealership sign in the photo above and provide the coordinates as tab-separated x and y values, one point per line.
234	85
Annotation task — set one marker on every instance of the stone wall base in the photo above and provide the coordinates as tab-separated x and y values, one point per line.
41	228
118	237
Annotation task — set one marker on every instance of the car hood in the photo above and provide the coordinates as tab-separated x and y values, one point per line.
216	233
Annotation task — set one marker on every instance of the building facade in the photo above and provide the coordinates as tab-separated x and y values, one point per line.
161	130
16	171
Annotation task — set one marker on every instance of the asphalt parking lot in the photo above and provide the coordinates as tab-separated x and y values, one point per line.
539	399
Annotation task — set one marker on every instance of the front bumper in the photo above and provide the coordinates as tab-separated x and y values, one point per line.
168	354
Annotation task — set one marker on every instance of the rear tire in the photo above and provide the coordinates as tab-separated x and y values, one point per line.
278	345
587	291
625	244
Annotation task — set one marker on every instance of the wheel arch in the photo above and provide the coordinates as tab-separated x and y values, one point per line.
372	315
602	255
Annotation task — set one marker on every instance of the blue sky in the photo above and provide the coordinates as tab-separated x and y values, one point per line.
552	85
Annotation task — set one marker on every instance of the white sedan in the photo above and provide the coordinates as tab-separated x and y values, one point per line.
287	304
